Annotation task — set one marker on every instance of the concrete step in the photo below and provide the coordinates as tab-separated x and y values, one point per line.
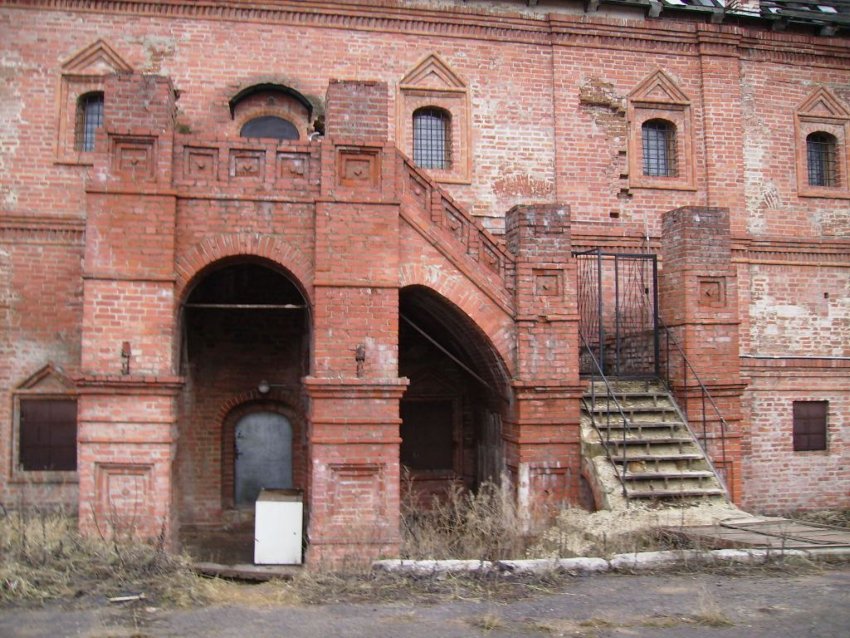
626	387
670	458
660	476
602	407
646	428
668	494
632	440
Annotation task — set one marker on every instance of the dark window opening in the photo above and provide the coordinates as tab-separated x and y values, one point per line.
427	435
270	126
822	159
810	425
659	148
431	138
89	119
48	434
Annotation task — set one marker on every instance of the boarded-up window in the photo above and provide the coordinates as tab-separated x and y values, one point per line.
48	434
810	425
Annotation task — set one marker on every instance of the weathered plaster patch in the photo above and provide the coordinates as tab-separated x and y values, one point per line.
11	115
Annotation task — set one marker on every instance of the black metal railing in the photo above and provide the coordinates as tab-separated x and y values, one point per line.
700	413
604	429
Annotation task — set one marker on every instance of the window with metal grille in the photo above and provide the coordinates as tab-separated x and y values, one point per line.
432	138
89	119
810	425
822	159
659	148
270	126
48	434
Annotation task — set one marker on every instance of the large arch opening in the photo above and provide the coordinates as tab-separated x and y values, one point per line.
242	415
458	397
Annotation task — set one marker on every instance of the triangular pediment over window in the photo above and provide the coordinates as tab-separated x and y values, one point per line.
96	59
659	88
48	379
432	73
824	104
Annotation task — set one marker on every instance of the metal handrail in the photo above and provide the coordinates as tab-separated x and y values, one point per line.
704	395
606	438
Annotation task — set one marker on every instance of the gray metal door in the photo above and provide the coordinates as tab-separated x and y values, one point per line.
263	455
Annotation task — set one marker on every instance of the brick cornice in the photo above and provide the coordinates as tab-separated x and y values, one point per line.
120	384
42	229
663	35
458	22
781	251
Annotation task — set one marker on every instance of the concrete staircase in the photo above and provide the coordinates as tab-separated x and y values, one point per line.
643	434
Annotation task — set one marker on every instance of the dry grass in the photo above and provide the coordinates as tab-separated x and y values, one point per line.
482	525
837	518
486	623
43	557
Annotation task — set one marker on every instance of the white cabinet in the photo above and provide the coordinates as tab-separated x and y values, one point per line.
277	527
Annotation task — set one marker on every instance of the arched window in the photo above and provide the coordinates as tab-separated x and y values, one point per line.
822	159
659	148
432	138
270	126
89	119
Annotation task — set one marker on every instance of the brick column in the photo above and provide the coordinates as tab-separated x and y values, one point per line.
126	409
543	440
354	388
699	303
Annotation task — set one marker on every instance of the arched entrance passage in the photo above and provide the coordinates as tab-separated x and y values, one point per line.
242	424
459	392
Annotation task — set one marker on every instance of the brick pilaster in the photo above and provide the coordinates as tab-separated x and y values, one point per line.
543	439
698	299
126	410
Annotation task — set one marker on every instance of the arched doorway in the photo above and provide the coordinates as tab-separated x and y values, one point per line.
453	409
245	350
263	456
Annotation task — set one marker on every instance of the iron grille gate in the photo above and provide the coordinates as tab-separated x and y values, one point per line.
618	313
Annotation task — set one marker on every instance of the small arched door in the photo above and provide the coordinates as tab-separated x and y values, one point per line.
263	455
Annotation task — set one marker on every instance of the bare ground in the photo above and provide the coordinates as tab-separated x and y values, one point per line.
775	603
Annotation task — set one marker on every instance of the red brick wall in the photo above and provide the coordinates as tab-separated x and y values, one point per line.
40	311
548	98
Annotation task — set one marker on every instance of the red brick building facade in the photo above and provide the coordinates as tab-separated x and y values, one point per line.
349	223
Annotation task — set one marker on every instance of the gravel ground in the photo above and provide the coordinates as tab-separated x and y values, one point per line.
813	603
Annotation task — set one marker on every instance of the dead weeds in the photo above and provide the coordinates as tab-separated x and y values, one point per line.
481	525
44	557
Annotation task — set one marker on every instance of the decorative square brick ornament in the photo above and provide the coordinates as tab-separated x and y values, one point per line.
359	167
357	488
712	292
200	164
133	158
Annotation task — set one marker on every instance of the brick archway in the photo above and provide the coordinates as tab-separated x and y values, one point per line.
192	264
493	320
